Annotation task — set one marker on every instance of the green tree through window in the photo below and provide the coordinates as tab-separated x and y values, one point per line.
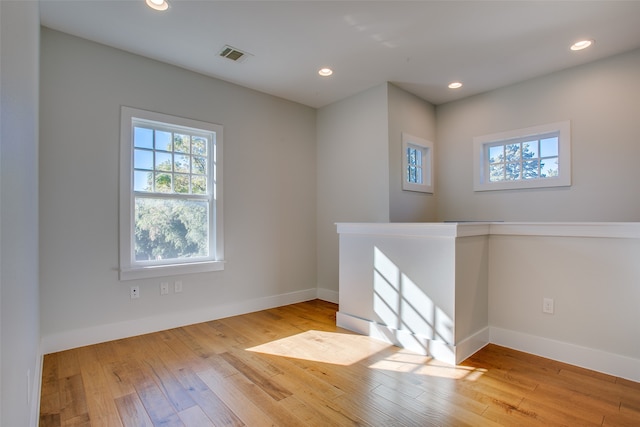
168	228
170	194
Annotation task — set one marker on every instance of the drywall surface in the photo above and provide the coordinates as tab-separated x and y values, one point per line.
472	286
353	170
412	115
269	193
20	319
601	100
421	286
593	282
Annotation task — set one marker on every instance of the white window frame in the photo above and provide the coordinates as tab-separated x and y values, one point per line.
426	149
130	269
481	180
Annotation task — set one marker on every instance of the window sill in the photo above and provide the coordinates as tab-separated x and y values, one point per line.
564	181
170	270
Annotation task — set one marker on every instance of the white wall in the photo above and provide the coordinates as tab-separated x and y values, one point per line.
594	284
269	205
601	100
596	318
421	286
20	327
471	287
397	283
353	170
359	167
410	114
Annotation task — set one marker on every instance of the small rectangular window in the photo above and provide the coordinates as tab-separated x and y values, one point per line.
170	213
417	164
526	158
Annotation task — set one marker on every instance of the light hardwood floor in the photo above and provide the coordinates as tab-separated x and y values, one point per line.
291	366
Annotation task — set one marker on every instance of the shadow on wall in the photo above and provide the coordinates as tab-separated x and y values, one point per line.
413	320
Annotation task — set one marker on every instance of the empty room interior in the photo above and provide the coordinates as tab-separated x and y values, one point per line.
319	213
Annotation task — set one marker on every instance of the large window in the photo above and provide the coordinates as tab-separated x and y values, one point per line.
526	158
170	195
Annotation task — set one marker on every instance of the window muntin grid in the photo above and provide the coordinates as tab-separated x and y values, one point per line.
414	171
170	160
529	158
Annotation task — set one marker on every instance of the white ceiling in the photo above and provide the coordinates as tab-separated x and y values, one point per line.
420	46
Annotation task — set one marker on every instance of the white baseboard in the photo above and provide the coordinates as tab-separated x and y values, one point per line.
472	344
422	345
597	360
328	295
36	388
102	333
589	358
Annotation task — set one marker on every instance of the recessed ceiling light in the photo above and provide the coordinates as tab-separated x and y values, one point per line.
325	72
582	44
455	85
158	4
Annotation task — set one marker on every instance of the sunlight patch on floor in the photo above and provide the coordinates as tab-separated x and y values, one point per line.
326	347
409	362
346	349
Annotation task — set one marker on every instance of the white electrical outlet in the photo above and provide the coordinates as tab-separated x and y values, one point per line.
164	288
547	305
135	292
177	286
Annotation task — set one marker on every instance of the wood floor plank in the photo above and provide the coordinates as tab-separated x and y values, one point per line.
132	412
208	401
253	393
292	366
438	411
234	398
555	415
312	398
68	363
314	414
195	342
621	420
49	420
100	403
119	378
195	417
157	405
587	408
257	376
50	397
295	378
181	350
225	334
170	386
73	402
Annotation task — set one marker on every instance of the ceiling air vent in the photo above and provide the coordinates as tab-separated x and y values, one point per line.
234	54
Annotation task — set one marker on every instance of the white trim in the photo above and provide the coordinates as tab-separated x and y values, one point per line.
620	230
426	148
418	229
439	350
170	270
481	181
613	230
472	344
36	390
589	358
102	333
129	269
328	295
